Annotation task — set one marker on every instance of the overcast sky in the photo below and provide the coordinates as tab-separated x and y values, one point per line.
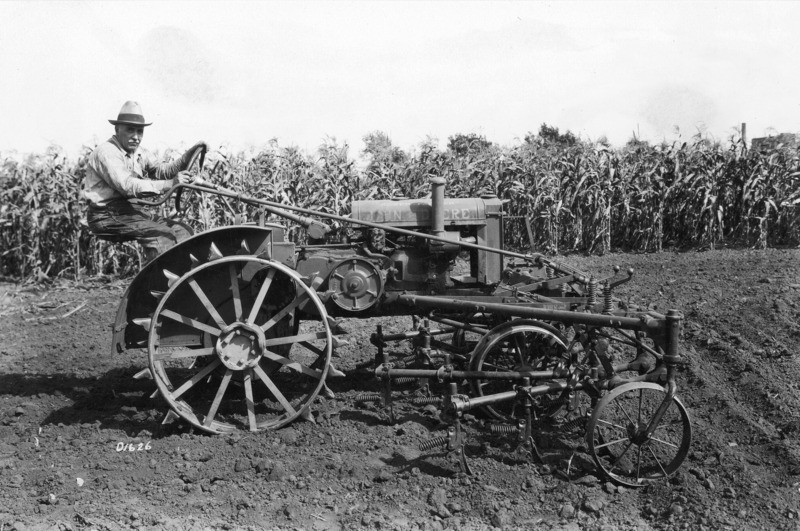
242	73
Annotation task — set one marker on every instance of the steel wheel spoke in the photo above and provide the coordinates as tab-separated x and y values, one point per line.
248	393
617	441
300	299
188	384
638	464
658	462
312	348
611	424
212	311
293	365
639	417
274	390
661	441
175	316
619	458
519	348
619	406
294	339
184	353
262	293
212	411
237	299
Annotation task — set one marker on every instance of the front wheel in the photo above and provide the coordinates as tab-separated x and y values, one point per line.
624	445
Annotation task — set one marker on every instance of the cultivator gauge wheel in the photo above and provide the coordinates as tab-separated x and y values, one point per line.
220	345
621	443
519	345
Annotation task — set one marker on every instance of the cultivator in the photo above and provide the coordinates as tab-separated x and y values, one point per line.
241	326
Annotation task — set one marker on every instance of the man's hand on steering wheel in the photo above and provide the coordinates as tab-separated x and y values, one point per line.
184	177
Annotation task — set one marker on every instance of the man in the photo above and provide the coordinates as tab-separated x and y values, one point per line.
118	171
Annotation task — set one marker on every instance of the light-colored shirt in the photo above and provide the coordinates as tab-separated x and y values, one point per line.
113	173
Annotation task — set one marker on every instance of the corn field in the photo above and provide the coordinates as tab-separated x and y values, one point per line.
560	197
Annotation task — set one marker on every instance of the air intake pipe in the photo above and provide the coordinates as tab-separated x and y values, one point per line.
437	220
437	206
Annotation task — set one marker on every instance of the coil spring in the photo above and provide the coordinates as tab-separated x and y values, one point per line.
368	397
405	380
593	290
577	422
547	402
425	400
550	272
503	429
607	303
438	442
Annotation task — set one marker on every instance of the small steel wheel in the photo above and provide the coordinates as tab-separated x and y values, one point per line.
625	447
464	341
519	345
220	345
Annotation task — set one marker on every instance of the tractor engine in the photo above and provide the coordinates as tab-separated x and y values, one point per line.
374	262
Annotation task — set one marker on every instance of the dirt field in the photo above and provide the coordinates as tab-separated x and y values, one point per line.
82	445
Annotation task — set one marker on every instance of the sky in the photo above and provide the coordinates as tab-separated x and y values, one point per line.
239	74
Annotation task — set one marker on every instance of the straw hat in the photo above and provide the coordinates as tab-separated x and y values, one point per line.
130	114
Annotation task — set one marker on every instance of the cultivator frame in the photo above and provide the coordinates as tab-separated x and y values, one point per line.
241	327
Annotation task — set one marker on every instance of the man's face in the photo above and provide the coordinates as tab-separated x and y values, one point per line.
129	136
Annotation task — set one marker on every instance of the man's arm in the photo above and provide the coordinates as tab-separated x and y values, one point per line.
170	170
110	165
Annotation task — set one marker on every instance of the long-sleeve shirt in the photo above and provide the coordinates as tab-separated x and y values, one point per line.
112	173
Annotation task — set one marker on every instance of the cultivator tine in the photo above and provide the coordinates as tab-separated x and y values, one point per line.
244	248
214	253
157	295
194	260
154	394
172	278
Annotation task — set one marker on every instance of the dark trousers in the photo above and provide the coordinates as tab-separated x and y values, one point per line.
120	221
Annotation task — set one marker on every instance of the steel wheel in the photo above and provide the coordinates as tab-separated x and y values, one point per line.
465	341
520	345
220	345
618	440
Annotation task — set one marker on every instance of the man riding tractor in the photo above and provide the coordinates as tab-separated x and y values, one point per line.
117	171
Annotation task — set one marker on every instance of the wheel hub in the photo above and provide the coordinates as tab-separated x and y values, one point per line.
240	346
637	433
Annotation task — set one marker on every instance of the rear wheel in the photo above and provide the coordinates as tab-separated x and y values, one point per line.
221	344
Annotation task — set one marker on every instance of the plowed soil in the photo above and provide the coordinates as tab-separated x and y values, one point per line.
82	445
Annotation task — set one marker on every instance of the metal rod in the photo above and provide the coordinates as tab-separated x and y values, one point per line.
280	210
643	322
444	374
